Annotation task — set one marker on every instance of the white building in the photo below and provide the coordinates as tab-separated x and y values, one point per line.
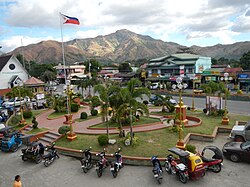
11	72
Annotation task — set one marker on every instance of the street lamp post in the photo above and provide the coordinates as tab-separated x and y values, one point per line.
225	119
69	92
181	111
193	106
22	121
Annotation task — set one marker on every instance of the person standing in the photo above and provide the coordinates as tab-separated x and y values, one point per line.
17	182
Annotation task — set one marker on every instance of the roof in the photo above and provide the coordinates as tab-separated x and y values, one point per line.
233	70
4	60
34	81
5	91
181	56
13	78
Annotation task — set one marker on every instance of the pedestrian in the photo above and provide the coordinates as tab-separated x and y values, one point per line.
17	182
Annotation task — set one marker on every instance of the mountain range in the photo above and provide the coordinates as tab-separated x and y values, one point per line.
123	45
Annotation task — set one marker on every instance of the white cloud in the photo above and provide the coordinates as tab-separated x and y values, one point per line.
193	18
16	41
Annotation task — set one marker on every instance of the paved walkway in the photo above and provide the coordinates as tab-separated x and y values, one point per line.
83	127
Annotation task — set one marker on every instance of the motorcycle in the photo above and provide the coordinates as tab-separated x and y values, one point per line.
117	165
157	169
101	164
215	163
87	160
51	156
180	170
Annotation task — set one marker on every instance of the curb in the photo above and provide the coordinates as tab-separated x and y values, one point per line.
146	161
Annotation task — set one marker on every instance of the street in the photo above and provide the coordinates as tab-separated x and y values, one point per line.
66	171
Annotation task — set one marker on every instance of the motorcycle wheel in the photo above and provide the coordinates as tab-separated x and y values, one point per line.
183	178
159	180
216	168
85	170
168	168
24	158
46	163
14	148
114	174
89	165
38	159
99	172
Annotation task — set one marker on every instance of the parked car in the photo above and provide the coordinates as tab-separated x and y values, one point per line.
237	151
241	132
155	98
156	85
13	102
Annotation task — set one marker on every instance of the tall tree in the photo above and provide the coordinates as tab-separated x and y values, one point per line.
130	94
245	61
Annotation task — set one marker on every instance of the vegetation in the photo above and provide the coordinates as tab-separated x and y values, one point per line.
64	129
74	107
143	120
94	112
103	140
150	143
35	123
27	114
37	130
84	115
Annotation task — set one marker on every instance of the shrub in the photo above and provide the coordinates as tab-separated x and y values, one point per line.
35	123
171	108
191	148
94	112
239	92
220	112
27	114
63	129
103	140
74	107
84	115
14	120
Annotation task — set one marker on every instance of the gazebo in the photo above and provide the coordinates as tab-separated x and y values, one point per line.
35	84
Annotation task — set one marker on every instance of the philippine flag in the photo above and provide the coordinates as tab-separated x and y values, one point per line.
70	20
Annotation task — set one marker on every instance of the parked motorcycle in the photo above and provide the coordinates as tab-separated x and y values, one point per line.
117	164
215	163
51	156
101	164
157	169
87	160
180	170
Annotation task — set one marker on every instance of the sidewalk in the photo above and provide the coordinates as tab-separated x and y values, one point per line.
83	127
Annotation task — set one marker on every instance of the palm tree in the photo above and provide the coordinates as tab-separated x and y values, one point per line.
165	102
103	95
82	84
129	95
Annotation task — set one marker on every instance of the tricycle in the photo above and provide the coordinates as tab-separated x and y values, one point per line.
33	151
11	141
187	165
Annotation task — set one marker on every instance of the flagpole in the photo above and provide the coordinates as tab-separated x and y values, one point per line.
64	63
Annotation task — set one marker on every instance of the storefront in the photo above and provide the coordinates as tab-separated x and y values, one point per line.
244	81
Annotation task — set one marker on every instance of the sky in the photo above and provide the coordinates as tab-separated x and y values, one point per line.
186	22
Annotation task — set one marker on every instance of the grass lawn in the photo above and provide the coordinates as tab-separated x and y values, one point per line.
14	121
89	117
143	120
150	143
35	131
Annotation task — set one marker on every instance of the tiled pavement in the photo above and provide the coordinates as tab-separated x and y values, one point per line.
82	127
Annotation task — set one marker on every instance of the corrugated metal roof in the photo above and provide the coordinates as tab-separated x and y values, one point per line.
33	81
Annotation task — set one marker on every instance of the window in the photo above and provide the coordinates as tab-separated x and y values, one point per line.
12	66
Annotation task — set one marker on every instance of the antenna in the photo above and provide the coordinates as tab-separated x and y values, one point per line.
22	53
